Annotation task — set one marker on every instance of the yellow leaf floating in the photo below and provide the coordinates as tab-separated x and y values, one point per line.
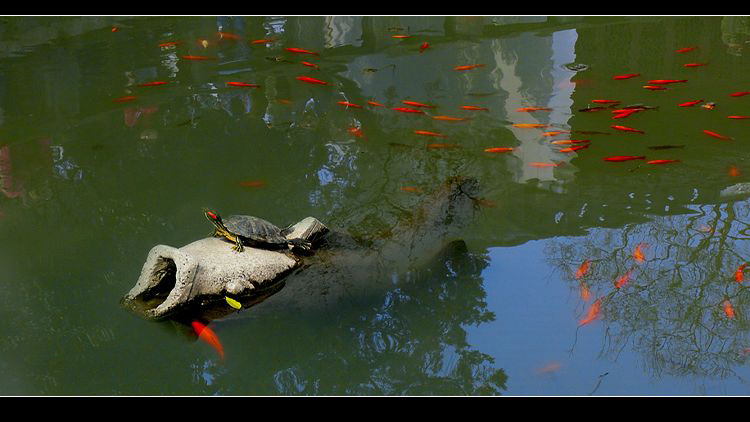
233	303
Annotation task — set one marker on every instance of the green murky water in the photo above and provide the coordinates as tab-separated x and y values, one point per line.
95	170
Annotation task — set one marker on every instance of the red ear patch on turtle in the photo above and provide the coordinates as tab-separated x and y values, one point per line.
211	215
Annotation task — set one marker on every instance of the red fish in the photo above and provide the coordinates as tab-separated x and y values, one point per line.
428	133
618	158
125	99
555	132
441	145
474	108
262	41
300	51
451	119
621	114
738	117
541	165
243	84
738	273
550	367
716	135
308	64
228	36
191	57
423	47
468	67
416	104
739	93
685	49
593	312
733	171
530	109
666	81
311	80
169	44
113	29
530	125
654	87
348	104
662	161
638	253
694	64
401	36
498	149
582	269
569	141
407	110
409	189
690	103
626	129
626	76
154	83
574	148
621	280
208	336
356	132
375	104
252	183
726	306
605	101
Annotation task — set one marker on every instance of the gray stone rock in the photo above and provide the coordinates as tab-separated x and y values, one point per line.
740	189
206	270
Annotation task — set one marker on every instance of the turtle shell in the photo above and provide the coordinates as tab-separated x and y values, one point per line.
255	230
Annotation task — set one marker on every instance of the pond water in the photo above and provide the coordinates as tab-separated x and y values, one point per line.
113	139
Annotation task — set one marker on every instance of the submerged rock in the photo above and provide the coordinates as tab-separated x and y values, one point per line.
740	189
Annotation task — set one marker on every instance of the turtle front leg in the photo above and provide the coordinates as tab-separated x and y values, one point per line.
238	244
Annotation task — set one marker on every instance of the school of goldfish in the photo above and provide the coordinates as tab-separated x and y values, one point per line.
421	110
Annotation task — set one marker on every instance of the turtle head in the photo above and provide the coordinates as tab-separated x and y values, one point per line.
214	218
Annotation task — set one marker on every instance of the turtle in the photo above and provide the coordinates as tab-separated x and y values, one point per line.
253	231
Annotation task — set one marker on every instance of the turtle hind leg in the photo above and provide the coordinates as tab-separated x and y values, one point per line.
299	245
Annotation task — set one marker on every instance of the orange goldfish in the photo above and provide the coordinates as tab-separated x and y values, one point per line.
468	67
685	49
169	44
574	148
300	51
584	292
474	108
694	64
662	161
262	41
638	253
626	76
738	117
654	87
690	103
441	145
311	80
154	83
228	36
733	171
606	101
125	99
727	308
409	189
243	84
529	125
401	36
428	133
665	81
498	149
621	280
356	132
716	135
407	110
582	269
308	64
739	93
416	104
208	336
550	367
555	132
593	312
191	57
541	165
626	129
530	109
375	104
569	141
738	273
423	47
451	119
348	104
